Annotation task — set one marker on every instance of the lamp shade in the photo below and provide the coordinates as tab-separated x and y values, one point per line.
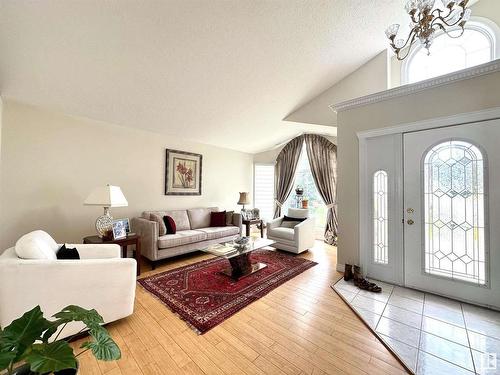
244	198
106	196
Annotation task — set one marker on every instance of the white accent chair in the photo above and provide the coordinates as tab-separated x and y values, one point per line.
99	280
297	239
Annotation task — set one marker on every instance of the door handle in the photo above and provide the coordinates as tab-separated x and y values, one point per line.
410	222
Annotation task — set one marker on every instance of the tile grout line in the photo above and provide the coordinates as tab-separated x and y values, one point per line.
468	339
420	335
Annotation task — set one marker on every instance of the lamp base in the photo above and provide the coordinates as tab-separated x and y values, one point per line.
104	223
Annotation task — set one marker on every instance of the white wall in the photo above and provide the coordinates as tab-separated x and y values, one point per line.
461	97
51	162
368	79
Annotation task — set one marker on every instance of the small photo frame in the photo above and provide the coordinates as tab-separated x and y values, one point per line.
120	228
125	222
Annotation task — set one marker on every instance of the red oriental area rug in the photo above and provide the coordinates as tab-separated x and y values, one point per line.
204	297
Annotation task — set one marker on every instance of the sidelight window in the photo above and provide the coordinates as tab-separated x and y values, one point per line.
380	218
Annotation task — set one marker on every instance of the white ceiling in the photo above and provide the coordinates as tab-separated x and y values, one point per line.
222	72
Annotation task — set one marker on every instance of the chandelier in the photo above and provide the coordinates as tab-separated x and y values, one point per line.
426	20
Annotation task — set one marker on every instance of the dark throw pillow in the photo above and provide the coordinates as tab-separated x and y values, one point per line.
289	218
170	224
291	222
218	219
67	253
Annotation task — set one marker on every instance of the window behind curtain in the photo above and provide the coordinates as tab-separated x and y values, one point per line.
264	190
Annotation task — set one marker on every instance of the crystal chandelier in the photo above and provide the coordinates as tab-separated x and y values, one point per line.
426	20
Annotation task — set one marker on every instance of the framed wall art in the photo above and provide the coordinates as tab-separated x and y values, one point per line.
183	172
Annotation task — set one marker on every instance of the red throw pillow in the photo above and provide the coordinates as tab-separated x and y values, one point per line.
218	219
170	224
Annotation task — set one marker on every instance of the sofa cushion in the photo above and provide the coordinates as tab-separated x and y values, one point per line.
220	232
180	217
218	219
282	232
162	229
229	217
200	217
181	238
36	245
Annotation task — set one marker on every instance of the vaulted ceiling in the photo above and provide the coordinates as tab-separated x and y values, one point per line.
222	72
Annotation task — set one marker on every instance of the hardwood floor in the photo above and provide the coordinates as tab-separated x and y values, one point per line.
302	327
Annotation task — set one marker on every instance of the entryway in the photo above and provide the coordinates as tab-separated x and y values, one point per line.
430	209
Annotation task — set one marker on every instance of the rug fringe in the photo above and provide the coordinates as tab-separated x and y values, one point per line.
196	330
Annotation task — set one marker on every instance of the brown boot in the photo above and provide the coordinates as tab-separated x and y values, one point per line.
348	272
362	283
357	273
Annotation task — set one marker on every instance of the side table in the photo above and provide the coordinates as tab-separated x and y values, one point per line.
248	223
124	243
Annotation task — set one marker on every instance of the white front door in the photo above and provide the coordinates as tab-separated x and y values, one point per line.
452	211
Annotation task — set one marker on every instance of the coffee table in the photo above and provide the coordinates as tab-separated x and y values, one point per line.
239	256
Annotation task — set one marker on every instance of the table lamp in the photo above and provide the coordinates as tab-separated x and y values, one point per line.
244	199
106	196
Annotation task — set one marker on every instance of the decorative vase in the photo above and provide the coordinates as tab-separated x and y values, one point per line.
305	203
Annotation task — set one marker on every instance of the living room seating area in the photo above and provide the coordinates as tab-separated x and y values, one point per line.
193	231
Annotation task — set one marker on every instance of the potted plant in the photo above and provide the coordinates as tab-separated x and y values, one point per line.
305	202
28	341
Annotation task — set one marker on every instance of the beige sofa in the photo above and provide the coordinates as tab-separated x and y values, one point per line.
193	232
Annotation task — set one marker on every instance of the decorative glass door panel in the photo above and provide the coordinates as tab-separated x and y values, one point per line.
380	218
454	212
451	200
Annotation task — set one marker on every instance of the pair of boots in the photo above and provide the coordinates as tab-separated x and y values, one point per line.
354	272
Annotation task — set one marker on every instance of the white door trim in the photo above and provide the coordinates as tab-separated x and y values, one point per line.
364	219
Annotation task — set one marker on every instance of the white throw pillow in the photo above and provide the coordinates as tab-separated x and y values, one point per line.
37	245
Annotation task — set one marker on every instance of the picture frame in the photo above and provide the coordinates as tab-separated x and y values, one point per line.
119	230
183	173
125	222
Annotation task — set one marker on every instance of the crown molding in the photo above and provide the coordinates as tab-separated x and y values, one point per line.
476	71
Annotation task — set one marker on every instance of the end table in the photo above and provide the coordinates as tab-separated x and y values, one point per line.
248	223
123	242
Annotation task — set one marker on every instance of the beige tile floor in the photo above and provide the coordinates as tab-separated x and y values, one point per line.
431	334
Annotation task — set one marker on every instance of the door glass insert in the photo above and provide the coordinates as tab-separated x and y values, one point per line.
454	205
380	218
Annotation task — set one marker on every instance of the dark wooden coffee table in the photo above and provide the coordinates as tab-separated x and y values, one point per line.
239	256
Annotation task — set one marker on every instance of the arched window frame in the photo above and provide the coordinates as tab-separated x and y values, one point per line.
481	24
485	175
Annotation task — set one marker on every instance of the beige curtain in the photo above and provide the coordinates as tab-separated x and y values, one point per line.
284	172
322	155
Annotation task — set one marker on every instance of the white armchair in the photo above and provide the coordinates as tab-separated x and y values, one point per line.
296	240
99	280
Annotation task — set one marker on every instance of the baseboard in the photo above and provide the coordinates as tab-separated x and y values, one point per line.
340	267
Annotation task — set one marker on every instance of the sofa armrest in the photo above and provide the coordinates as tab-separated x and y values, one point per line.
148	231
238	221
304	234
108	285
97	251
275	223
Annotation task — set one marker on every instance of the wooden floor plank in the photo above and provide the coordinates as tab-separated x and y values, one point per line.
301	327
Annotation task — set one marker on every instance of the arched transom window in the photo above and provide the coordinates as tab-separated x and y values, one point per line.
454	208
447	55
